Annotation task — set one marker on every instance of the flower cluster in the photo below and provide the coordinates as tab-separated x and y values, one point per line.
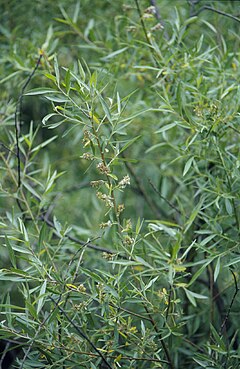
107	199
120	208
97	183
150	10
106	224
124	182
157	27
128	240
103	168
87	156
86	138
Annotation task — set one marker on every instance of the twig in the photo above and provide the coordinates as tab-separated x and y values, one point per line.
3	354
76	240
141	189
83	335
165	199
165	349
169	302
192	4
231	304
206	7
31	342
158	17
156	13
6	148
142	22
230	189
115	356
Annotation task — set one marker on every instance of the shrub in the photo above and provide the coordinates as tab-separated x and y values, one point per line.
120	186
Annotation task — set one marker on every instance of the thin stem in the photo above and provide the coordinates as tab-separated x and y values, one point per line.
230	189
165	349
108	179
76	240
206	7
231	304
159	18
142	22
83	335
141	189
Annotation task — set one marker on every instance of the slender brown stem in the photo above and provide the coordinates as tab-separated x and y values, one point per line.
79	242
231	304
142	22
141	189
164	346
206	7
81	333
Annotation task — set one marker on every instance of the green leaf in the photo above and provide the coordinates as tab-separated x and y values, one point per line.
93	275
93	79
193	215
11	252
199	272
30	189
190	297
219	340
68	80
41	297
56	69
44	143
166	127
207	239
41	91
228	206
188	165
23	229
60	99
129	143
193	295
42	236
105	108
47	117
76	12
152	281
81	70
114	53
217	269
180	94
162	227
51	77
31	309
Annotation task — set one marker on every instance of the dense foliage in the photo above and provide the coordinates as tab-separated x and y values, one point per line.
120	179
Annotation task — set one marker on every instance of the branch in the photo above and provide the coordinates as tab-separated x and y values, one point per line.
192	4
141	189
159	18
76	240
142	22
83	335
206	7
231	304
165	349
165	199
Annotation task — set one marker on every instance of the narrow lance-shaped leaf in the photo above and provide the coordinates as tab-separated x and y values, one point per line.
41	296
56	69
11	252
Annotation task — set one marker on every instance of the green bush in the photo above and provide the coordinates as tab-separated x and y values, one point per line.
120	184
